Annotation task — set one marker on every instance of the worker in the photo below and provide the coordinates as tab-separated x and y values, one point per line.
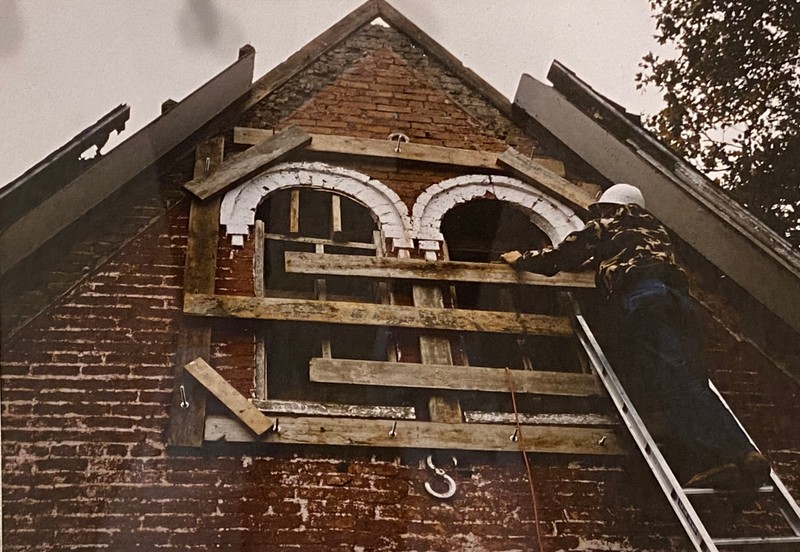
656	330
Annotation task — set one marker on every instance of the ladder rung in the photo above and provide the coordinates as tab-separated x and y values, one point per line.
749	541
698	491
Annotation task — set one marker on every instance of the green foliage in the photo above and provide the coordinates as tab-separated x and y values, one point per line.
732	98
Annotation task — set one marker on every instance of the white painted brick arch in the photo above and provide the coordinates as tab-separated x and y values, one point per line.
553	217
238	210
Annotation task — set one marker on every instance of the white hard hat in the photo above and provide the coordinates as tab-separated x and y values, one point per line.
621	194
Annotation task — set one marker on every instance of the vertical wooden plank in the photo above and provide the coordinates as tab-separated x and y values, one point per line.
294	212
259	288
384	296
321	294
436	350
188	408
336	217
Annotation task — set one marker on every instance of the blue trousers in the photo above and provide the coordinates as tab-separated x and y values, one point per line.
663	369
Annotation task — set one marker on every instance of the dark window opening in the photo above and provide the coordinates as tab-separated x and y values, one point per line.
479	231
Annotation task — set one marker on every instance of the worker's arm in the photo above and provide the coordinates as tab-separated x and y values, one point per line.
577	248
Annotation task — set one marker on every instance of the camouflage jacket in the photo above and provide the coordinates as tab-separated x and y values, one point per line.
625	246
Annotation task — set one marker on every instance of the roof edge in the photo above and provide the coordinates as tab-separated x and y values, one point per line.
576	90
129	158
58	168
772	279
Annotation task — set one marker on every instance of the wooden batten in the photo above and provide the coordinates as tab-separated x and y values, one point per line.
188	409
418	269
340	312
440	376
248	163
533	172
296	430
384	149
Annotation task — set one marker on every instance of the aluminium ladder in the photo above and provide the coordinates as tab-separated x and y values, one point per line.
678	496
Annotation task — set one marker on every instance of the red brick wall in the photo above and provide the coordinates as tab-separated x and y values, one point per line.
86	391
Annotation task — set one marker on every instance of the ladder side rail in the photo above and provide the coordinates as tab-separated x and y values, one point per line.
790	509
695	529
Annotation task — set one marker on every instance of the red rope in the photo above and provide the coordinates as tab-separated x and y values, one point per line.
521	442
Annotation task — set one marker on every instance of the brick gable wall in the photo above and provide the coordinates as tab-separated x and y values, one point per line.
86	390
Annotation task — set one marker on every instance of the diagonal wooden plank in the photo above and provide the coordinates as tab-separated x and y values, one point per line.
296	430
229	396
420	269
248	163
535	173
443	376
339	312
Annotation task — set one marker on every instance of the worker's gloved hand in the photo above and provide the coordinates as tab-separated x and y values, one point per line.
511	257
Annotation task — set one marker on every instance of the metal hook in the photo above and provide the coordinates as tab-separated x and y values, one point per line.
393	431
515	436
400	137
451	484
184	402
276	427
208	165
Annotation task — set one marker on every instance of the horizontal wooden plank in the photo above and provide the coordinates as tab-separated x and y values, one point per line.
335	312
246	164
320	241
540	176
229	396
420	269
554	418
312	408
442	376
367	147
297	430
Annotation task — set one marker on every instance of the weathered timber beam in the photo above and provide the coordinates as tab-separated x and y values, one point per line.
188	408
418	269
422	153
441	376
229	396
336	312
248	163
530	170
420	435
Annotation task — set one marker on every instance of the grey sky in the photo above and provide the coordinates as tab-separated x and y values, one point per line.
65	64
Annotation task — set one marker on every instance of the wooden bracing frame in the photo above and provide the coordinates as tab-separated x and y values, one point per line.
306	422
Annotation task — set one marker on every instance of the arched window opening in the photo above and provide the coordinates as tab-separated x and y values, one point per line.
316	221
479	231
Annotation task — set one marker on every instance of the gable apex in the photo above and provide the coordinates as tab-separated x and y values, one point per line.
377	12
